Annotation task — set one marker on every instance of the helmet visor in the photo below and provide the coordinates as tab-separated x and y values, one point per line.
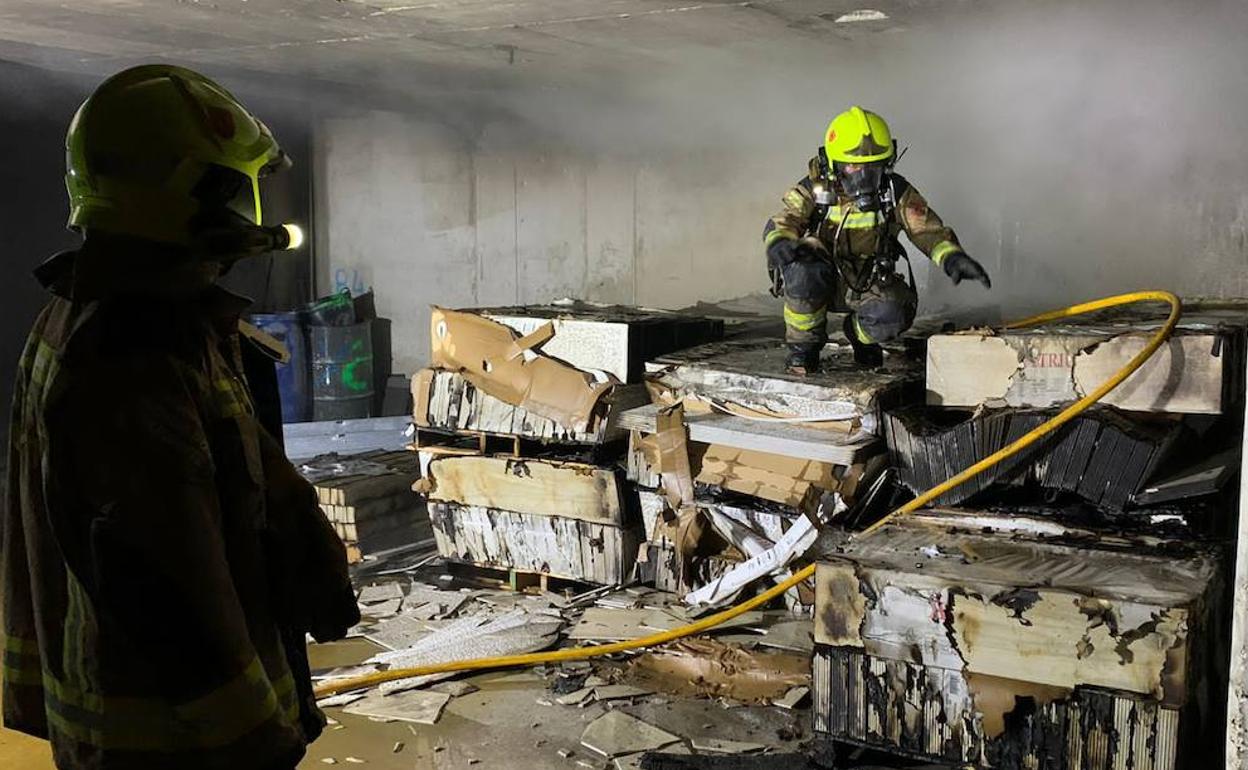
860	181
225	191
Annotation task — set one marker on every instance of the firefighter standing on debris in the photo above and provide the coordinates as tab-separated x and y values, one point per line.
162	560
836	240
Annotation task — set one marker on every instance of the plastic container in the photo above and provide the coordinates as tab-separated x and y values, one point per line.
293	383
332	310
342	371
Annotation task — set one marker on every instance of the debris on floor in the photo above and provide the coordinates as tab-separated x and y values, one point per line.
419	706
615	733
724	746
664	761
707	667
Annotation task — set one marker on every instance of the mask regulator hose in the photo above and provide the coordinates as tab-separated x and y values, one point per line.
1066	415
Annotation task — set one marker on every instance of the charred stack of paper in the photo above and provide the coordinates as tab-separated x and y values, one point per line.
1069	620
1014	642
738	464
369	500
517	427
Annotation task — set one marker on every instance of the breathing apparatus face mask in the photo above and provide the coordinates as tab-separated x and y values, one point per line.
863	182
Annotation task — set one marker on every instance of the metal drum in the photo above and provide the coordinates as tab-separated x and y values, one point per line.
292	376
342	371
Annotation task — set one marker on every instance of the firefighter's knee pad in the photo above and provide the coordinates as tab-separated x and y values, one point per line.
811	280
887	310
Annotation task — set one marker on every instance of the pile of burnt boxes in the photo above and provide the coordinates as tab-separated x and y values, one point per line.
738	465
1064	610
518	432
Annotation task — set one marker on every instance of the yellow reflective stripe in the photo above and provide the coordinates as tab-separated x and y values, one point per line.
942	250
857	220
23	675
777	234
44	366
79	629
251	687
154	724
20	645
231	399
804	322
862	333
284	688
41	365
22	663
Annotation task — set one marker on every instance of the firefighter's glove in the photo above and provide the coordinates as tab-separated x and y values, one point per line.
783	253
960	267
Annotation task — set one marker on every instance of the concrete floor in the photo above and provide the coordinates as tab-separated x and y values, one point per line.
500	726
503	725
21	751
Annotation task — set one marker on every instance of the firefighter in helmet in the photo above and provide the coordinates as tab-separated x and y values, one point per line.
162	560
835	242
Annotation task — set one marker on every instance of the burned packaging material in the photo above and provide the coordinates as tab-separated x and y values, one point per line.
1047	366
615	339
567	519
495	359
369	501
558	546
746	376
446	402
1014	642
709	668
1104	456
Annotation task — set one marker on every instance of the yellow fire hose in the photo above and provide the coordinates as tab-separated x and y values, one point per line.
1065	416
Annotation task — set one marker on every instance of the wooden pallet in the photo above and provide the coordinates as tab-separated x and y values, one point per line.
437	442
471	442
515	580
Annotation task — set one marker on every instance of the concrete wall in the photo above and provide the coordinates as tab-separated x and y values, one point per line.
35	108
425	214
1078	150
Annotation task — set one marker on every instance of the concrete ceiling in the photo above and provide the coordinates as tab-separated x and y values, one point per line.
412	45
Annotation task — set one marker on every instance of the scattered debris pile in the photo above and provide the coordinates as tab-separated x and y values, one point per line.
737	465
756	666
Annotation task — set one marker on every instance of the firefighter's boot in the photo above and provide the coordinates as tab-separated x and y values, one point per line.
868	355
803	358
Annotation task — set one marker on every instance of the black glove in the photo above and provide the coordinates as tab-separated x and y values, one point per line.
958	266
782	253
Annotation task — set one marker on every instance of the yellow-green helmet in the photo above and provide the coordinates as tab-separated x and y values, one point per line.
157	149
858	136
